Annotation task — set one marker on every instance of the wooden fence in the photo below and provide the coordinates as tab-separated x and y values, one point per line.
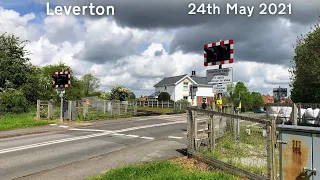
236	144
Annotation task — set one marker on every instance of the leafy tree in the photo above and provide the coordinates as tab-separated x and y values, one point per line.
132	96
256	99
91	84
119	93
305	73
14	66
13	101
164	96
242	91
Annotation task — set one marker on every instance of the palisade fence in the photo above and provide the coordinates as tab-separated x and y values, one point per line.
241	145
164	104
302	114
86	110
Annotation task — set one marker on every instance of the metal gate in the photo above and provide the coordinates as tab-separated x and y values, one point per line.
299	152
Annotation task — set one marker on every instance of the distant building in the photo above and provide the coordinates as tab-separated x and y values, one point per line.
179	88
267	99
144	98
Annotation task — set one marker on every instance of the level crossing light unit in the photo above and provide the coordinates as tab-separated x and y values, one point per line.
60	81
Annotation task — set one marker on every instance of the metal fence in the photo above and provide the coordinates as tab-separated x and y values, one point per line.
86	110
163	104
242	145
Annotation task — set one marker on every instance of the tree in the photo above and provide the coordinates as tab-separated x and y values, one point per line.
242	91
119	93
256	99
14	65
164	96
305	73
91	84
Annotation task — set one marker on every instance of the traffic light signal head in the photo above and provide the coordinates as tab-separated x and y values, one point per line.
218	53
61	79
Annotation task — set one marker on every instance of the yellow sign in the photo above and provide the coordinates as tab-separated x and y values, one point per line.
192	101
239	107
219	101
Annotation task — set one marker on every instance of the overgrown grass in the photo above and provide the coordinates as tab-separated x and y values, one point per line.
249	153
162	170
16	121
93	116
161	110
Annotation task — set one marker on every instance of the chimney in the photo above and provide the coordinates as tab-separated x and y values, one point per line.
193	73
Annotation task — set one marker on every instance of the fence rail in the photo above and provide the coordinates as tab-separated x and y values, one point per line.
163	104
242	145
83	110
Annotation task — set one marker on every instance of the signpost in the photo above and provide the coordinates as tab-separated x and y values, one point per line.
219	53
61	80
280	93
220	88
224	75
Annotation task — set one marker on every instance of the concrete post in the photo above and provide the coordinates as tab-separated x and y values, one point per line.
104	106
294	118
70	110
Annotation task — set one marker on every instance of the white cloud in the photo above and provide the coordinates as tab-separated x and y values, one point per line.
12	22
65	37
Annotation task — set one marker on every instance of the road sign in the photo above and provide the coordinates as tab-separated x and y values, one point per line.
220	88
218	53
282	92
216	76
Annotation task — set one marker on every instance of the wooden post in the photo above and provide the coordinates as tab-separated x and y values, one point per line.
168	104
195	131
162	103
70	110
111	109
84	110
148	103
135	108
299	113
38	110
119	108
294	118
49	117
271	141
104	106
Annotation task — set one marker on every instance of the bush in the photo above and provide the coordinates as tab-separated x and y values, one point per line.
13	101
164	96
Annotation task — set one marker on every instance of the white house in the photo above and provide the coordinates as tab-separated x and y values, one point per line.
179	87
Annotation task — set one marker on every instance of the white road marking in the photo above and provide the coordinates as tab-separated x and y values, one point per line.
175	137
144	137
53	124
64	126
51	142
94	130
117	134
107	132
130	135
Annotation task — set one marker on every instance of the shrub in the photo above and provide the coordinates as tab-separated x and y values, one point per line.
164	96
13	101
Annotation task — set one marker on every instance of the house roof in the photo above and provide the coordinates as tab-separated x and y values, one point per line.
174	79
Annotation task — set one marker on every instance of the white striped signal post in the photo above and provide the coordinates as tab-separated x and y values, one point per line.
61	80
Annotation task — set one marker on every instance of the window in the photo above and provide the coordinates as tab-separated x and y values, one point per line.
185	86
185	97
204	99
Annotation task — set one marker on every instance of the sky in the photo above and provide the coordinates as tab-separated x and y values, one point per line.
147	40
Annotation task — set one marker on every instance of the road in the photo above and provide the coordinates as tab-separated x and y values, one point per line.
76	153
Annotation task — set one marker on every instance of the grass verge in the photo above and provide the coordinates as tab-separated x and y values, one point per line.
16	121
177	169
249	154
